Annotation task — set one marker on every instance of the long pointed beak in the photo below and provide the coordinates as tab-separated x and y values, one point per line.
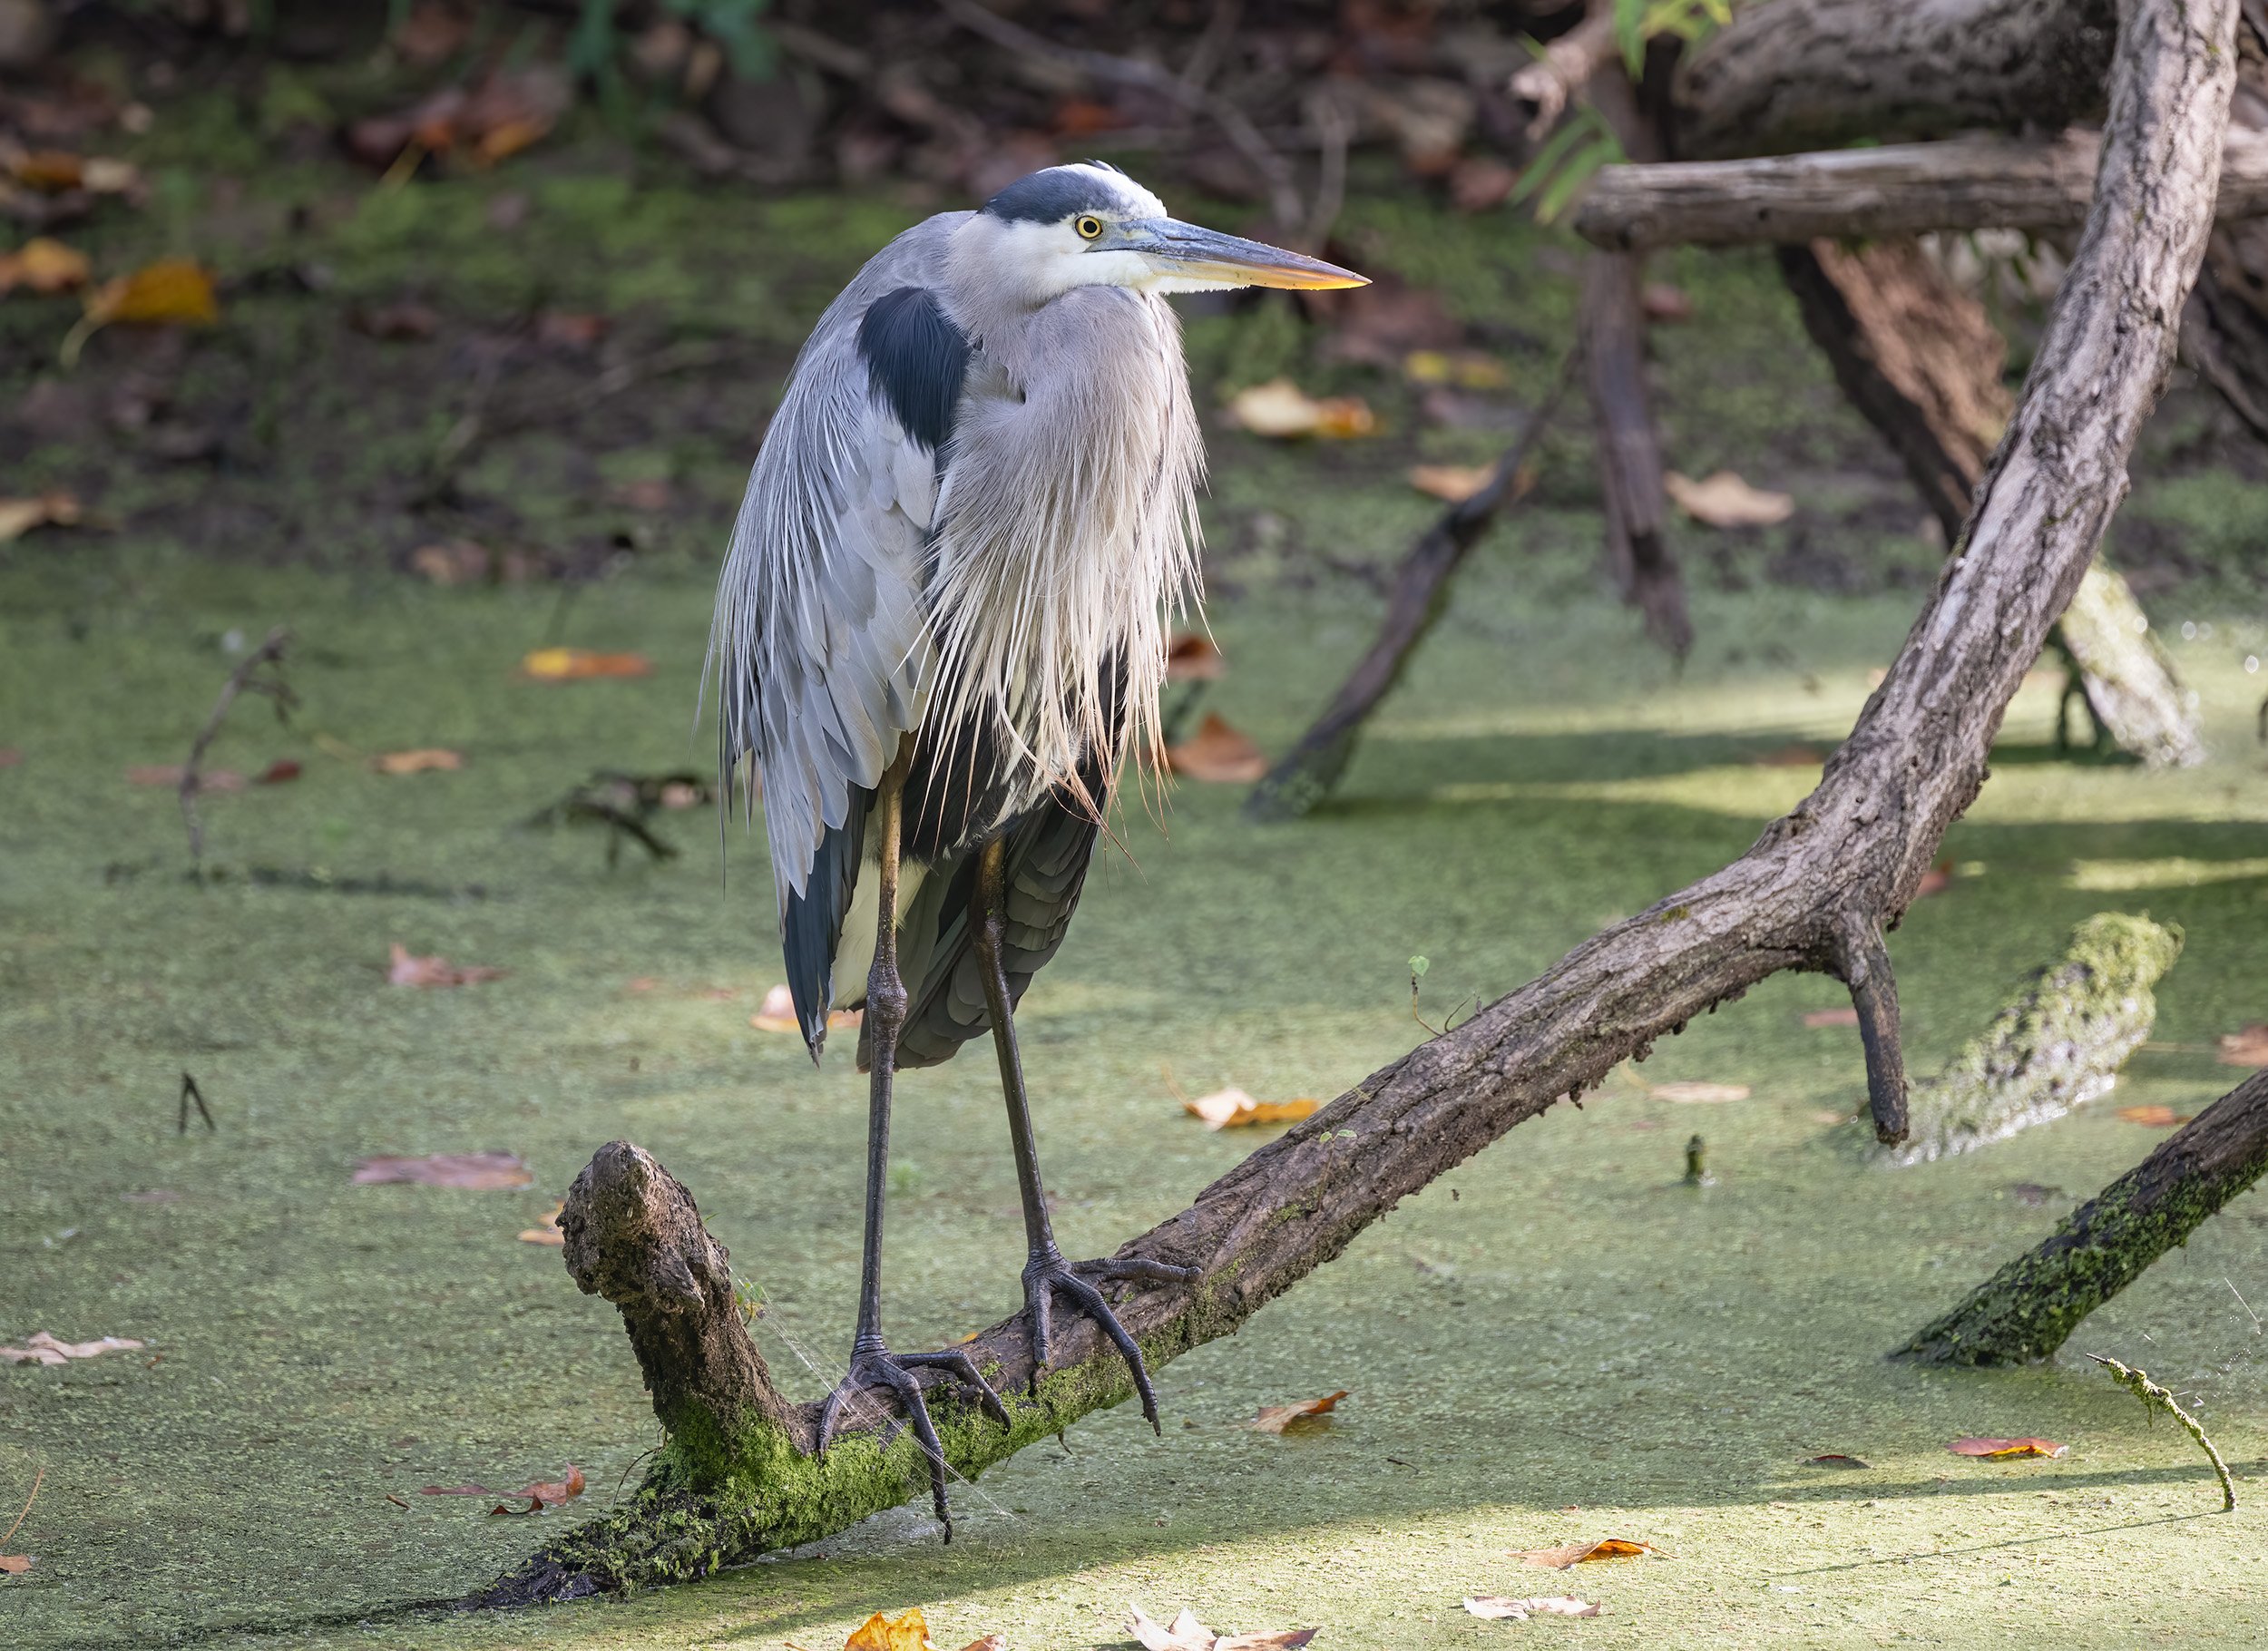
1190	253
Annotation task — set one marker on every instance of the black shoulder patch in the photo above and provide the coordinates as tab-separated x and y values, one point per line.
1053	195
917	358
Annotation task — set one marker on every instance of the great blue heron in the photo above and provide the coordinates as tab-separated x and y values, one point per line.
940	627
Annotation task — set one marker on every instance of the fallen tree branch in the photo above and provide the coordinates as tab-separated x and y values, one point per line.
2027	1309
2156	1398
732	1481
1902	189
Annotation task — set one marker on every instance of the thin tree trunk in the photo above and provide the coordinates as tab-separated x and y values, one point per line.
1813	893
1611	331
2027	1309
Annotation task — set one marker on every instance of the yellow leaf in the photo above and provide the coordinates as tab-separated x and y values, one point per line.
908	1631
1580	1553
1723	500
173	289
1232	1109
569	664
44	266
425	760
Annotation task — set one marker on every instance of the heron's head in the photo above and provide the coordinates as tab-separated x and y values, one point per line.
1091	225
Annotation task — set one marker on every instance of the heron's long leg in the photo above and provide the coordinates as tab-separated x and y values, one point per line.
872	1364
1046	1272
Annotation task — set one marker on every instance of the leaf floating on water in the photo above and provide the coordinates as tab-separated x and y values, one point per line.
549	1233
1218	752
14	1565
2246	1048
1275	1418
1836	1460
577	664
1232	1109
2005	1449
1186	1633
1721	499
1192	656
906	1632
41	1348
1699	1094
2154	1118
1281	409
1582	1553
1496	1606
472	1171
1845	1016
407	969
547	1494
427	760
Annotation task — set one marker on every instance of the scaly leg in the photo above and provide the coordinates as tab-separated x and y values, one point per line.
1046	1272
872	1364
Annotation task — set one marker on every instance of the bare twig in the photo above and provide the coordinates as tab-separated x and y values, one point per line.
1334	130
38	1474
245	679
1212	46
2156	1398
190	1092
1541	90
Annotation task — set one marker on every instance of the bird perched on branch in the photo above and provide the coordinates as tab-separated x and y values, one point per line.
940	627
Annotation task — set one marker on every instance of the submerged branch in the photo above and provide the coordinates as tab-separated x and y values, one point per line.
2156	1398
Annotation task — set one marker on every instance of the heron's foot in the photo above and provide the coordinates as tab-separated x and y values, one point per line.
872	1365
1047	1274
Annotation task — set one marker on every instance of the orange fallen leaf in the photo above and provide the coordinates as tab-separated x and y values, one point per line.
549	1233
41	1348
44	266
1186	1633
1845	1016
571	664
2156	1117
1582	1553
1454	483
470	1171
2246	1048
424	760
1232	1109
1191	656
20	516
14	1565
2002	1450
1701	1094
169	774
908	1631
1721	499
408	969
1275	1418
1218	752
1281	409
1495	1606
548	1493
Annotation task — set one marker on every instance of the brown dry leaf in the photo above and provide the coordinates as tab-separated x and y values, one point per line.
1582	1553
1191	656
1789	756
549	1233
990	1642
1836	1459
908	1631
43	266
14	1565
469	1171
500	116
1275	1418
571	664
1281	409
2156	1117
1845	1016
1721	499
1218	752
548	1493
41	1348
1186	1633
427	760
169	774
2246	1048
1232	1109
408	969
1699	1094
1495	1606
1454	483
282	770
20	516
55	172
2004	1450
172	290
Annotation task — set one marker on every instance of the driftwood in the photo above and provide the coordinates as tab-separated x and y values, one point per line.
1898	189
1813	893
2027	1309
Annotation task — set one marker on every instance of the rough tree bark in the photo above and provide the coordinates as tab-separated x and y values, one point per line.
1814	893
2027	1309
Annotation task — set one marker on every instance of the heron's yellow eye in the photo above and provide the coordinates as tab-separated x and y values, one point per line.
1089	226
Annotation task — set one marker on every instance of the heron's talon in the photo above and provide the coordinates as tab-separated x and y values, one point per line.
877	1366
1049	1274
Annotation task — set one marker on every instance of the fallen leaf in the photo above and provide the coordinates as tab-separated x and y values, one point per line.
2246	1048
41	1348
1845	1016
1454	483
14	1565
500	116
2156	1117
549	1233
1186	1633
55	172
1218	752
1191	656
469	1171
1836	1460
282	770
1935	880
1275	1418
1789	756
406	969
44	266
169	774
1721	499
990	1642
906	1632
1581	1553
1521	1610
1461	369
777	1013
1691	1094
172	290
425	760
548	1493
570	664
1232	1109
1281	409
20	516
2001	1450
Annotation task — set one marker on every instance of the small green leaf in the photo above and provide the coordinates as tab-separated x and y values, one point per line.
1419	965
